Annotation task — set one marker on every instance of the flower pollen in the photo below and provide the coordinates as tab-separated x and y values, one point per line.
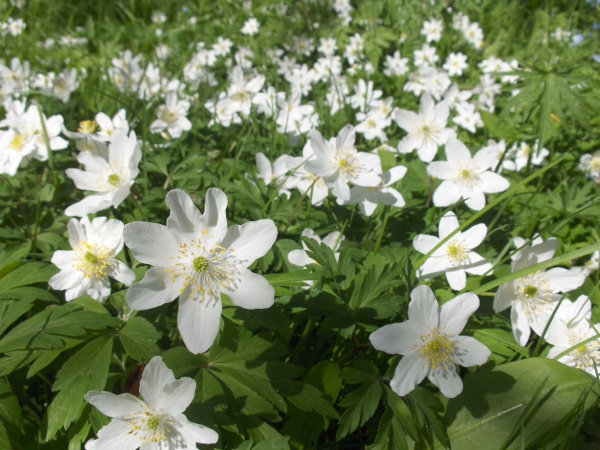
457	252
87	126
92	259
438	349
149	426
17	143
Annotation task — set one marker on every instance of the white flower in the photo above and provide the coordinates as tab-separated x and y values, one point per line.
432	30
570	326
250	27
430	342
111	178
65	83
196	258
155	423
426	130
368	197
454	258
86	269
456	63
465	176
533	297
172	116
338	162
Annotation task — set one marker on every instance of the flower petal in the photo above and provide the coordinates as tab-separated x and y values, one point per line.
471	352
151	243
423	309
155	378
154	290
456	312
198	322
396	338
194	433
112	405
251	291
447	380
411	371
114	436
176	396
250	240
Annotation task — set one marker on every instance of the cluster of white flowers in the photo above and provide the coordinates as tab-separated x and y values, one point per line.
14	27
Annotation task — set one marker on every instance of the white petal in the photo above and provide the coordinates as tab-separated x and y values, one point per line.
214	219
475	200
122	273
184	216
471	352
251	291
440	169
198	322
408	144
195	433
448	381
154	290
475	235
405	118
66	279
423	309
423	243
345	138
112	405
151	243
492	182
396	338
457	278
505	295
86	181
155	378
91	204
448	223
520	324
446	194
299	258
478	265
564	280
411	371
250	240
456	312
177	396
457	152
114	436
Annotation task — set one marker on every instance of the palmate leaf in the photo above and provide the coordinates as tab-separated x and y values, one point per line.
531	397
139	337
360	406
86	370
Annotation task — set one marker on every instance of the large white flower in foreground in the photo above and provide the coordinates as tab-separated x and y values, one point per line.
86	269
155	423
430	342
571	326
196	258
426	130
338	162
111	179
455	258
532	298
465	176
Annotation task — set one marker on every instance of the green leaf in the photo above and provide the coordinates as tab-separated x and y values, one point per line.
10	410
86	370
493	402
278	443
47	329
139	337
361	404
29	273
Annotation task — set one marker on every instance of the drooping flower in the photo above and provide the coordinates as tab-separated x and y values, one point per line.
426	130
466	176
196	258
533	297
430	342
455	258
110	178
571	326
86	269
155	423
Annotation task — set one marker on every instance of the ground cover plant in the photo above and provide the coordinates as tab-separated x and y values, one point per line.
299	225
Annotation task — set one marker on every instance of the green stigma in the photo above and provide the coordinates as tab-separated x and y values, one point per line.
530	291
91	258
114	179
153	423
200	264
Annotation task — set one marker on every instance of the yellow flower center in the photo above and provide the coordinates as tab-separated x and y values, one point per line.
92	259
17	143
530	291
87	126
200	264
457	252
438	348
150	426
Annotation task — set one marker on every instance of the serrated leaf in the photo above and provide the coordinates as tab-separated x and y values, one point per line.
10	410
278	443
47	329
360	405
139	337
86	370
